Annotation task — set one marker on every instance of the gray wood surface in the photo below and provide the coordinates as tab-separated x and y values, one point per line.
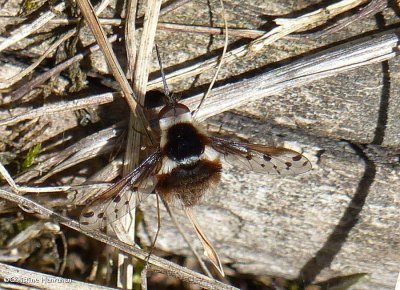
342	217
339	219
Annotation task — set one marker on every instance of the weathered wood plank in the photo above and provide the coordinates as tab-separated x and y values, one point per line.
339	219
342	217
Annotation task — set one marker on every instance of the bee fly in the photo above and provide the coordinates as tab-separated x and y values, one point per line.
189	166
185	166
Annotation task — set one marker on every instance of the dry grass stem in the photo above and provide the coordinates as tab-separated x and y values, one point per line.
138	68
188	242
91	141
140	77
130	34
166	26
330	62
12	80
24	189
125	229
286	27
27	29
102	6
39	80
84	191
41	280
372	8
144	280
159	264
93	22
62	107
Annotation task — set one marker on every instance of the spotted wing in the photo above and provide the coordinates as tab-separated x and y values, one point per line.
261	158
120	199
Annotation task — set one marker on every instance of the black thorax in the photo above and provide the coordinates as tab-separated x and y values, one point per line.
183	141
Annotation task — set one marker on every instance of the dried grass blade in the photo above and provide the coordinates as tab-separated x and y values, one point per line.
159	264
94	24
286	26
41	280
346	57
29	86
23	189
45	166
28	29
130	33
12	80
138	67
209	250
61	107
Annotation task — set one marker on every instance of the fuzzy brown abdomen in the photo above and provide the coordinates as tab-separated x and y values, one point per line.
189	182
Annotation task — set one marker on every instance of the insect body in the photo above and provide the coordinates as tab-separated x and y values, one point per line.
190	166
187	164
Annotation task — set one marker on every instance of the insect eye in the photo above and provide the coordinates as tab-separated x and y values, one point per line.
173	111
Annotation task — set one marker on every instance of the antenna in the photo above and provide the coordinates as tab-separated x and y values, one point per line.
166	89
220	60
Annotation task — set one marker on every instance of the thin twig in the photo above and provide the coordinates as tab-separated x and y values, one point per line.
28	29
349	56
167	26
7	83
286	26
93	22
224	16
44	281
29	86
125	229
62	107
372	8
159	264
12	80
185	237
17	188
26	189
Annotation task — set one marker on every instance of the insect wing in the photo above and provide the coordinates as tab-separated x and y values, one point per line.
121	198
261	158
95	214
